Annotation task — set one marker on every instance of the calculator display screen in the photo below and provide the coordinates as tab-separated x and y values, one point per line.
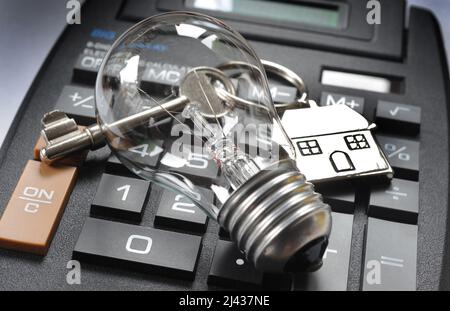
304	13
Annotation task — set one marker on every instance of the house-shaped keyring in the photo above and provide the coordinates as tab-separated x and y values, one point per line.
334	142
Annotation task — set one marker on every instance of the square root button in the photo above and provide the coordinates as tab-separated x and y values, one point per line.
398	118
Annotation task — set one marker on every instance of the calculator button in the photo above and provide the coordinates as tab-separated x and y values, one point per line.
229	268
86	68
398	118
75	159
78	103
198	165
115	167
120	197
144	155
147	154
146	249
161	79
340	198
354	102
36	206
279	93
176	211
397	202
402	154
390	256
333	275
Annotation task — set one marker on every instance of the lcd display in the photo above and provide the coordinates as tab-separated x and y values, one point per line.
322	16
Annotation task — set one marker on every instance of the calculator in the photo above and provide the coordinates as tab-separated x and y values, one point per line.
91	224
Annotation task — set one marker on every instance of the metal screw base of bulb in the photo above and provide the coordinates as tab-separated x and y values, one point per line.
278	221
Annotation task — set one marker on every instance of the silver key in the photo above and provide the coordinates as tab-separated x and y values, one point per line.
198	87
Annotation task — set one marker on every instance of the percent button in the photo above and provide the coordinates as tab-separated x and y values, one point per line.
403	155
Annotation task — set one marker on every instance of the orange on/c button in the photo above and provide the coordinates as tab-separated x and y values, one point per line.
36	206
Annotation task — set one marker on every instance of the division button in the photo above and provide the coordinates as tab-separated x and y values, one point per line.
142	248
36	206
398	201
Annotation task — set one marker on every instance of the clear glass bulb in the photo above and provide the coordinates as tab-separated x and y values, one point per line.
203	97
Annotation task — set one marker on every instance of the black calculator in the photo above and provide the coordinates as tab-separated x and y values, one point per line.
104	228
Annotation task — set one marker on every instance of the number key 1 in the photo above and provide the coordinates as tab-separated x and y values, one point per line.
120	197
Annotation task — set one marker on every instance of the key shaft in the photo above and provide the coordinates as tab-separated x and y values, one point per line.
93	137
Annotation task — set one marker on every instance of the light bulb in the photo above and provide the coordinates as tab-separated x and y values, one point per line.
189	90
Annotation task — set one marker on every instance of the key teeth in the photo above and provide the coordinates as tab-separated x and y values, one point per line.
52	117
56	124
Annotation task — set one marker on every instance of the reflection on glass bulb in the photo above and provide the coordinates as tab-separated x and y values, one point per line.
199	108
